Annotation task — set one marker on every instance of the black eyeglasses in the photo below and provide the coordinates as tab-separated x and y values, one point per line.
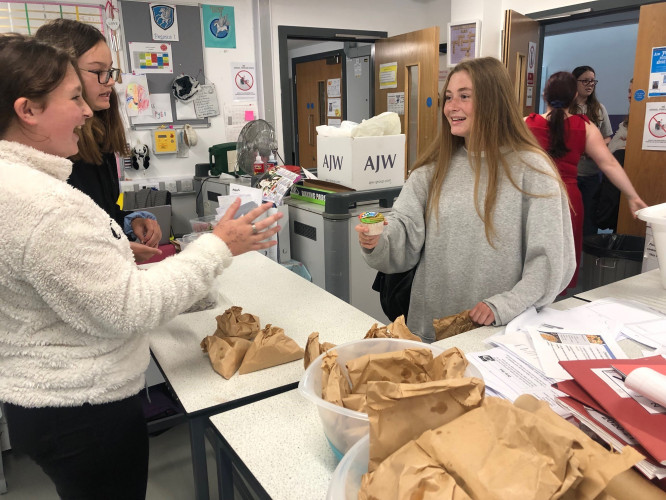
589	82
104	75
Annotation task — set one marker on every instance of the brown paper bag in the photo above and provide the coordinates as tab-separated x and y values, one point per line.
452	363
453	325
270	347
234	324
400	413
500	451
406	366
334	385
410	474
396	330
400	331
226	354
313	348
355	402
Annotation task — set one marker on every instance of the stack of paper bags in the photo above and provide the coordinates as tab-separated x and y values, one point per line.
239	344
498	450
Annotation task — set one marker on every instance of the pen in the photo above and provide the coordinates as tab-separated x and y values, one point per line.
619	372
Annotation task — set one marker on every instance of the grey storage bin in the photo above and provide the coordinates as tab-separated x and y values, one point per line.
610	257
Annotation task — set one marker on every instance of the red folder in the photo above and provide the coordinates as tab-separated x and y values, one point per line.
647	428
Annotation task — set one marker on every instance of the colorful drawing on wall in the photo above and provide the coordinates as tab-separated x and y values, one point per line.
164	22
135	95
219	26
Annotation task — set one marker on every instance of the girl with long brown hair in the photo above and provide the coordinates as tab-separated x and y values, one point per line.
484	214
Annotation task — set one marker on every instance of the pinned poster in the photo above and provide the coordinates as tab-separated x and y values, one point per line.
335	107
244	86
205	101
388	75
134	95
150	57
160	111
219	26
654	129
657	83
163	22
333	87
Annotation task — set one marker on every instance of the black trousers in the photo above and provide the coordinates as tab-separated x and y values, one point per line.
90	451
589	185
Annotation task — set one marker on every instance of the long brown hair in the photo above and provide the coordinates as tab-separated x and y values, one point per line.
559	93
104	132
36	70
498	125
593	111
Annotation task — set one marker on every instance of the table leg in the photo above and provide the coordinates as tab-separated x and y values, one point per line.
198	444
225	477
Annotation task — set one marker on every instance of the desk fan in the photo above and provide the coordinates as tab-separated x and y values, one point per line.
258	136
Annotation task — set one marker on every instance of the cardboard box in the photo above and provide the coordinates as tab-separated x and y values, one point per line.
315	191
362	162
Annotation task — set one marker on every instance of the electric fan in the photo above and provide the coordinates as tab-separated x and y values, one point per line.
258	136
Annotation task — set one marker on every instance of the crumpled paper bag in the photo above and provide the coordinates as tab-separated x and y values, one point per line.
226	354
334	385
234	324
500	451
400	413
452	363
271	347
453	325
406	366
313	348
396	330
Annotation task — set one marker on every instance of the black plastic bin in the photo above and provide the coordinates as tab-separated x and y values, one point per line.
610	257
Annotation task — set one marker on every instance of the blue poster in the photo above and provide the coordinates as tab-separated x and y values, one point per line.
219	26
657	83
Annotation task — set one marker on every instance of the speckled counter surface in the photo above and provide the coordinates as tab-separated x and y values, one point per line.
275	294
645	288
287	452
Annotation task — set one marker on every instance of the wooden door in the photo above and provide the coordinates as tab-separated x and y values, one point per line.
646	169
319	100
410	73
520	50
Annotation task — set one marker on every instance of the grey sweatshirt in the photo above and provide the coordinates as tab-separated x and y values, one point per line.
533	259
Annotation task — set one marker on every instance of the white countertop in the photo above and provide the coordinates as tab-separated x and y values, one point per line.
275	294
645	288
290	456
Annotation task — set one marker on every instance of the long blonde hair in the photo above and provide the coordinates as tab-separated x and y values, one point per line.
497	124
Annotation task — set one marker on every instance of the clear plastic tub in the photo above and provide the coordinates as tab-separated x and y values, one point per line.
344	427
656	216
187	239
346	480
203	224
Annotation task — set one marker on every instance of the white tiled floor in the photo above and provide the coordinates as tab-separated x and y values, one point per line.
169	471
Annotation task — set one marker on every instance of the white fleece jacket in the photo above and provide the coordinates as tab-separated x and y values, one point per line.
74	308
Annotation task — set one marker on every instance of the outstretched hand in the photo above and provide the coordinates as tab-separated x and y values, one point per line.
244	234
366	240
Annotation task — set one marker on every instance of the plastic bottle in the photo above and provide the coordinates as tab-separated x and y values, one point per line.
272	162
258	167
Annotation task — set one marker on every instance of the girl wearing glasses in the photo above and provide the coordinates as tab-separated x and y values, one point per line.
566	138
73	354
589	175
103	136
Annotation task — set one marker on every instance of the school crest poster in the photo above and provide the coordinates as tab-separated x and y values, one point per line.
163	22
219	26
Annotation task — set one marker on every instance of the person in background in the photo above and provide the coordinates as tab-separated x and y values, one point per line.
95	170
607	202
565	137
72	353
483	215
589	175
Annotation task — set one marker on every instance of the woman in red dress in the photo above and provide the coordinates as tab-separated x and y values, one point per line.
566	137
